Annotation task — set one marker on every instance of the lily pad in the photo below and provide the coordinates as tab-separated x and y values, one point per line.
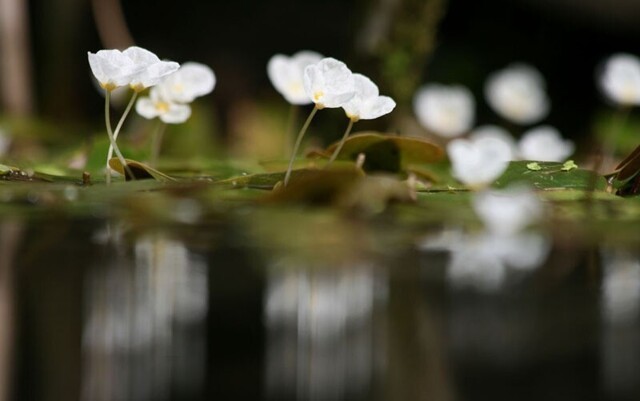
387	153
550	176
269	180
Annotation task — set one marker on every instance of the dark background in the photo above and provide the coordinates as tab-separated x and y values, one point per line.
564	39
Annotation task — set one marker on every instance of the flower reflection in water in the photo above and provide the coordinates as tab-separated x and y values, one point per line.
321	331
620	307
483	260
143	333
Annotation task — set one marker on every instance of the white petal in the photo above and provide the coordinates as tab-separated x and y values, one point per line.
140	56
479	162
377	107
196	79
178	113
544	143
286	75
147	108
329	83
518	94
494	131
448	111
111	68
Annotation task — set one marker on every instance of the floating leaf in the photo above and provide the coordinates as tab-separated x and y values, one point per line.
387	152
139	170
569	165
550	176
269	180
534	166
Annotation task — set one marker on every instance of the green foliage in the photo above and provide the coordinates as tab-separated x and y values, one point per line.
550	176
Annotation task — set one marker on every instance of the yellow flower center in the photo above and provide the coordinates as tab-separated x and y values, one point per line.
162	107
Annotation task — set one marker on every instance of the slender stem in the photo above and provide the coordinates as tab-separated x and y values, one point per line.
341	144
291	122
156	142
298	142
119	125
112	139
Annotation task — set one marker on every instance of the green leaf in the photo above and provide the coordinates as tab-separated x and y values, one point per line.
388	153
139	170
269	180
550	176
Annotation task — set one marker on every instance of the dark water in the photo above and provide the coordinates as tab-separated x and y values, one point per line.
310	306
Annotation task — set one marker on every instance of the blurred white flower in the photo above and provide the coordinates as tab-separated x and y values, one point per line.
329	83
518	94
190	81
494	131
544	143
149	68
367	104
620	79
478	162
287	74
507	211
136	67
155	105
448	111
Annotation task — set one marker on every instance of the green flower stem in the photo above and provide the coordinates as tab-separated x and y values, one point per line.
341	144
112	139
291	122
298	142
156	143
119	125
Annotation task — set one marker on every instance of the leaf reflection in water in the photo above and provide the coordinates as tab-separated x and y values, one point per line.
320	325
142	312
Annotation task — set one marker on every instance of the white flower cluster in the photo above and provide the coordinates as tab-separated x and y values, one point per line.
307	77
517	94
135	67
169	100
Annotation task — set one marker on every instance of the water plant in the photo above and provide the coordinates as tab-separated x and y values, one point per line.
169	100
329	83
367	104
517	93
544	143
478	162
445	110
135	67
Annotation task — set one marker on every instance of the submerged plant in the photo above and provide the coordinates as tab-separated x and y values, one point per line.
518	94
327	83
367	104
169	100
445	110
135	67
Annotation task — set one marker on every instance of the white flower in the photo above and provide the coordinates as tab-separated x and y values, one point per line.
493	131
507	211
620	79
157	106
287	74
192	80
136	67
149	68
367	104
446	110
518	94
329	83
544	143
111	68
478	162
